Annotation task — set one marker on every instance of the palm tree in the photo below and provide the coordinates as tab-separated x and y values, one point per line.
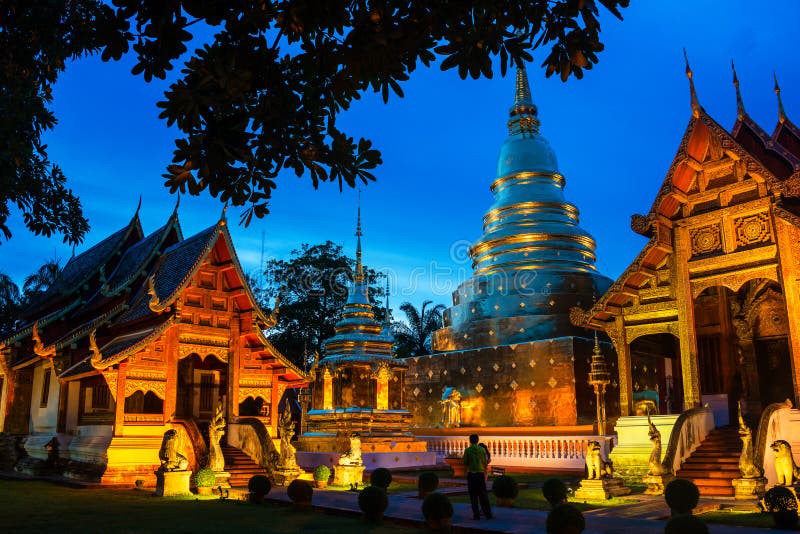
10	301
42	279
414	334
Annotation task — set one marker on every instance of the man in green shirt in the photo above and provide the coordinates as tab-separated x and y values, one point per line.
475	461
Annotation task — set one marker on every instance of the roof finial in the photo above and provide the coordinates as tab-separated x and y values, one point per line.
524	115
739	104
177	204
138	207
781	111
222	218
695	102
359	266
596	343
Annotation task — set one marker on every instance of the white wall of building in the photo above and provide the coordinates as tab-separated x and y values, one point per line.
44	419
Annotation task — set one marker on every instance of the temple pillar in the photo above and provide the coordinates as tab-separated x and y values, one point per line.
788	235
327	389
616	332
687	334
171	388
119	400
7	387
234	369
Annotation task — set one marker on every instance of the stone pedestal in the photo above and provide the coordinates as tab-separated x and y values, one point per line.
283	476
656	483
345	475
222	479
598	489
749	488
170	483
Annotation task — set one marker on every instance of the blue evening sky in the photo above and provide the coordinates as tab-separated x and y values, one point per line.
615	134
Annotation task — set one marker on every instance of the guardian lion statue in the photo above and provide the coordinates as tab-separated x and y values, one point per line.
353	455
785	468
596	467
171	458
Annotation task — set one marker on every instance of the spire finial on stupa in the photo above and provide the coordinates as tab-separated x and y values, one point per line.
359	266
781	111
695	102
596	343
739	103
523	114
386	317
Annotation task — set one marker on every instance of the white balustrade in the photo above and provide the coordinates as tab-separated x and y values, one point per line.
555	452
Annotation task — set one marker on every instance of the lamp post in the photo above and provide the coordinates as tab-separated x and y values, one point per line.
599	378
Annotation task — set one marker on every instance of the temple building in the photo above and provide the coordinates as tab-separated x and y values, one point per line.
357	387
709	311
139	335
508	346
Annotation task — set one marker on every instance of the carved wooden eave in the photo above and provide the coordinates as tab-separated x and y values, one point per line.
104	361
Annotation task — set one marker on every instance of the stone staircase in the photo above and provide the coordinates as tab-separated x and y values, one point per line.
714	463
240	466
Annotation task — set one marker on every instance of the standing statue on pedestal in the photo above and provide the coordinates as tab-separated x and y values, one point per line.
596	467
599	482
785	469
451	408
654	465
215	432
353	454
752	482
287	458
171	458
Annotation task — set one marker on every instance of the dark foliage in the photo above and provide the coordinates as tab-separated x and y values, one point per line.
259	484
414	334
565	518
264	95
685	524
437	506
381	478
373	501
505	487
10	304
300	491
681	495
428	482
779	499
554	491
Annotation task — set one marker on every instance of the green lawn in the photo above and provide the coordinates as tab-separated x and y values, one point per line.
740	519
394	488
44	507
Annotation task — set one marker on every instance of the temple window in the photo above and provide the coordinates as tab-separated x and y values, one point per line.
207	392
100	397
144	403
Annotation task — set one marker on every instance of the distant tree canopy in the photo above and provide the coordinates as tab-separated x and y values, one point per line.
263	96
13	300
312	285
414	334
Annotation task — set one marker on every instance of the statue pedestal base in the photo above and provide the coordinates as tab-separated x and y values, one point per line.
222	479
598	489
169	483
749	488
346	475
283	476
656	483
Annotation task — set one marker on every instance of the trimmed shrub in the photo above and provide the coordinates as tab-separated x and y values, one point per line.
554	491
682	496
300	491
779	499
372	501
505	487
436	507
565	518
259	484
205	478
322	473
427	483
685	524
381	477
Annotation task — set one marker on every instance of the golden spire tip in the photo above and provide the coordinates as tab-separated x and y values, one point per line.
739	103
689	74
781	111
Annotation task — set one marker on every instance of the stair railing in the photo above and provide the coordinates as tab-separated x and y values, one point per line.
778	421
690	428
199	448
254	440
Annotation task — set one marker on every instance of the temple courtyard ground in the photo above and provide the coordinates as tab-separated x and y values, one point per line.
35	506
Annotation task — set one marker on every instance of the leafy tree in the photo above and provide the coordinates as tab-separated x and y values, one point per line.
40	281
312	285
414	334
263	96
10	304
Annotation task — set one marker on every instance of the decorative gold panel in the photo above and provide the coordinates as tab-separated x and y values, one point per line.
752	230
705	239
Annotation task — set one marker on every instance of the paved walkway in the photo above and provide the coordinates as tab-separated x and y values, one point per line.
408	508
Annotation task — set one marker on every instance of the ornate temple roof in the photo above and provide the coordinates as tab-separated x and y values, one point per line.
359	336
534	260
